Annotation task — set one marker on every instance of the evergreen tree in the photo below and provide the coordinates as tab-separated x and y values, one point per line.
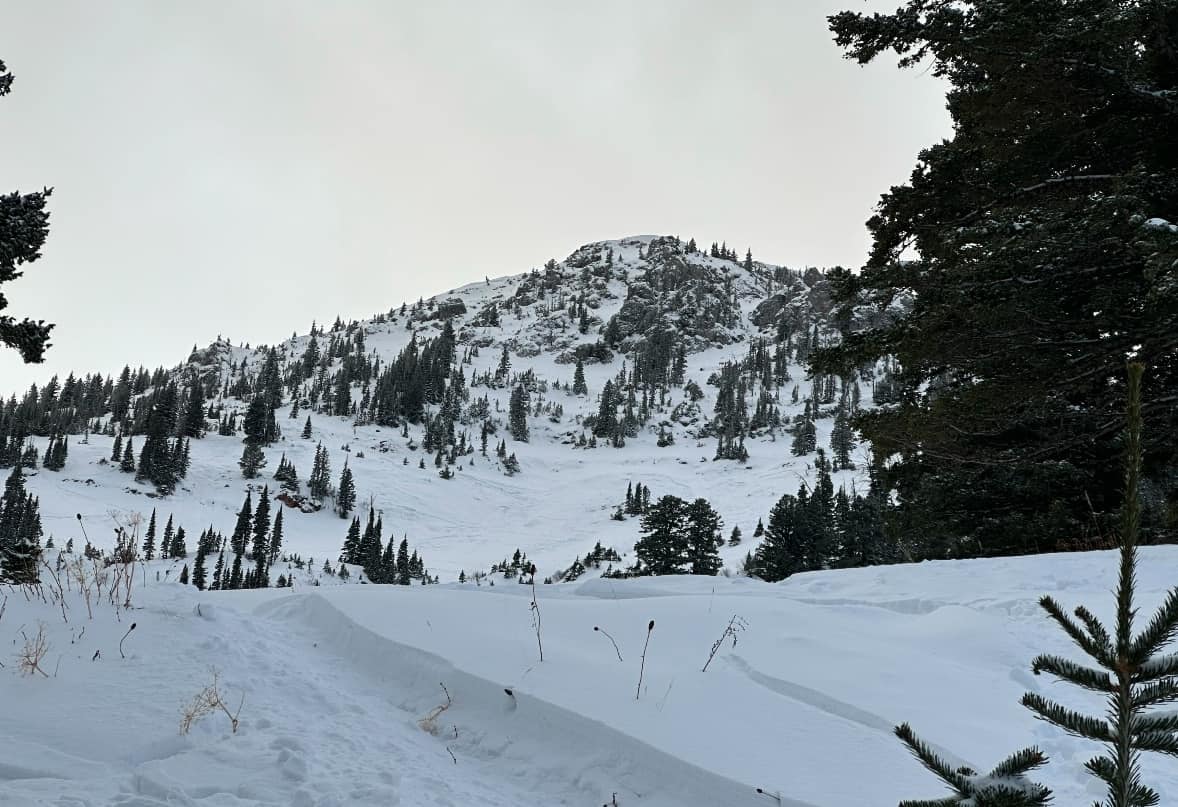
842	440
703	538
198	568
518	414
219	572
784	551
166	541
241	530
179	548
1042	259
24	225
345	499
662	547
116	451
274	545
184	575
1130	670
261	529
194	414
127	464
307	429
149	538
403	569
20	531
252	460
579	385
351	547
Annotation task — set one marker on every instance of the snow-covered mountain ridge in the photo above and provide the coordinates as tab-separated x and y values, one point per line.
653	317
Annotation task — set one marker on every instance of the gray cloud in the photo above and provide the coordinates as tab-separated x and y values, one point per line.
242	168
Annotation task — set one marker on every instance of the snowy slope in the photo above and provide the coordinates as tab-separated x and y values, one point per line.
558	507
335	681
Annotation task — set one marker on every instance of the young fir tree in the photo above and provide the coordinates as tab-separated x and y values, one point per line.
345	499
179	548
274	545
261	529
579	385
149	538
166	539
198	568
351	546
1130	670
116	450
241	530
184	575
253	459
127	464
404	571
219	572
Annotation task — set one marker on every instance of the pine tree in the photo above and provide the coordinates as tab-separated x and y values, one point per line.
275	543
783	552
252	460
319	483
167	539
219	572
127	464
703	538
842	440
261	529
241	530
198	569
1131	671
20	531
307	429
351	548
179	549
1004	426
403	569
662	547
734	539
194	414
184	575
345	499
24	225
518	414
149	538
116	451
579	385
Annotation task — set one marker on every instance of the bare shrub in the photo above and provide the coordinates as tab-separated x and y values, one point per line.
33	653
430	722
206	702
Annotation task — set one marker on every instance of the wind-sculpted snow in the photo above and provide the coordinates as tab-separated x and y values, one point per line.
335	684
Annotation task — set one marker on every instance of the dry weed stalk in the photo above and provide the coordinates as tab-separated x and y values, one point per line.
735	626
206	702
30	657
430	722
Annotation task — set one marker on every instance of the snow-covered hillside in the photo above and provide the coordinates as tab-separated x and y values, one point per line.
559	505
336	687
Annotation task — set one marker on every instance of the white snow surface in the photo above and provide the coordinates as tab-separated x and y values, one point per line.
334	681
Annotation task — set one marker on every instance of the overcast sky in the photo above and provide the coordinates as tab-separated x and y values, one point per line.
244	168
